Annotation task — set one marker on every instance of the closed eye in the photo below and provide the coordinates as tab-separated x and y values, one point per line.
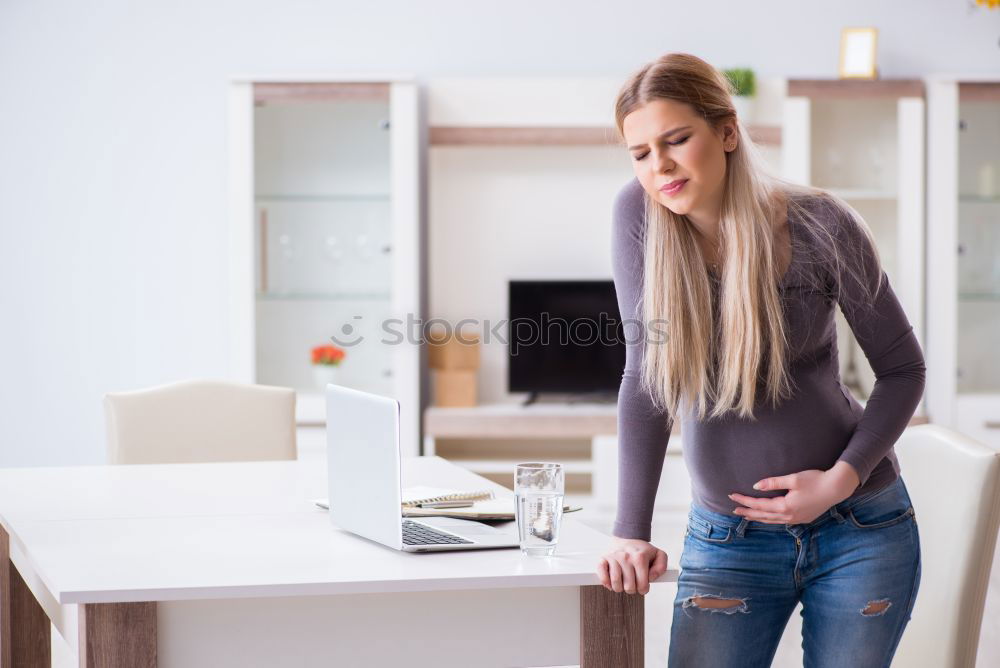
672	143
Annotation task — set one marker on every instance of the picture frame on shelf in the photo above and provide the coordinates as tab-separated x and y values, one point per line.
858	53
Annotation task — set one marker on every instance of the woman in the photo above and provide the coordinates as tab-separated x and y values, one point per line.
727	279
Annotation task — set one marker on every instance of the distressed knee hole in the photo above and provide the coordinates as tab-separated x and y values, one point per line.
876	607
714	603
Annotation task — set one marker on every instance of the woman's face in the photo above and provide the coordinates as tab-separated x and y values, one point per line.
669	142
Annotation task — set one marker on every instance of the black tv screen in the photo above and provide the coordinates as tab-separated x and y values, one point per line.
564	336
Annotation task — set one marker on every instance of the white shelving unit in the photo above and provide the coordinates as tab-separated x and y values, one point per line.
964	254
518	136
864	142
325	205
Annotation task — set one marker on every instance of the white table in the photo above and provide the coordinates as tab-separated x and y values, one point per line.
232	565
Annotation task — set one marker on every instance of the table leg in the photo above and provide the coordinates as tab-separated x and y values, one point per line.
25	639
117	635
612	628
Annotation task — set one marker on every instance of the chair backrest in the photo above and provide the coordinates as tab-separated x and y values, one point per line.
954	483
200	421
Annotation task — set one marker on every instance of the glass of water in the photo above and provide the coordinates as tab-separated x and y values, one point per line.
538	490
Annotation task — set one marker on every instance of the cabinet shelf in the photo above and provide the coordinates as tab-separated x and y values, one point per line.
862	193
345	197
979	296
322	296
979	199
556	136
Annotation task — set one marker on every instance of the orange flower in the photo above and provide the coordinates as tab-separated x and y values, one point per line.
327	354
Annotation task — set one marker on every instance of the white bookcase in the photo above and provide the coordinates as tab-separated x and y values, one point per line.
864	142
325	236
964	254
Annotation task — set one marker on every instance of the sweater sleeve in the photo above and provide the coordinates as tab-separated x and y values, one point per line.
643	431
887	339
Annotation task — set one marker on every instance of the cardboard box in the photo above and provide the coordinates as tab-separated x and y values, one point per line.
453	352
455	387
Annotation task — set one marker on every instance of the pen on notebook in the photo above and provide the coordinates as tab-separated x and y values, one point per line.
446	504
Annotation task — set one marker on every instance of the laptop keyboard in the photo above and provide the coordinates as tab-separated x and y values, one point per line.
421	534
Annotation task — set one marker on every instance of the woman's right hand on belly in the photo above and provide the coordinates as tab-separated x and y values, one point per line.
630	565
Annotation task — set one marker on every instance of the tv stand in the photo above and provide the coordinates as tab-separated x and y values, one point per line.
550	398
538	419
512	421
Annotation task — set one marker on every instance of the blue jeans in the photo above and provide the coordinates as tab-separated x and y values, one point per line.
856	569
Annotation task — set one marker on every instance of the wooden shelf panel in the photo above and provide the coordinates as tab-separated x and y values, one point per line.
556	136
855	88
271	92
979	91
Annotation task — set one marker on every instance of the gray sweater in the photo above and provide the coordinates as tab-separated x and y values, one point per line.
819	425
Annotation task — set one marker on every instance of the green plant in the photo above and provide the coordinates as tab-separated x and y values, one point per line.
741	80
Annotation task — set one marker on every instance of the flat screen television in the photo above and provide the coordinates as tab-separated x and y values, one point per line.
564	336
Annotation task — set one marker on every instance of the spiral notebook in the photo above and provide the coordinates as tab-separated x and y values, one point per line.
486	506
414	496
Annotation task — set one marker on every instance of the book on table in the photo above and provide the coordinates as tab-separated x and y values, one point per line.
483	504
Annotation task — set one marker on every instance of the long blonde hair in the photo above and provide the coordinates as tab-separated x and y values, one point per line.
694	363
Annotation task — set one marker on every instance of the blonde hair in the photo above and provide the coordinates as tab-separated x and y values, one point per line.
694	363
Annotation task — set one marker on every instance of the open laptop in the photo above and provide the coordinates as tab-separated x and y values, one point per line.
362	441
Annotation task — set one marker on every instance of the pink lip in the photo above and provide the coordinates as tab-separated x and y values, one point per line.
672	189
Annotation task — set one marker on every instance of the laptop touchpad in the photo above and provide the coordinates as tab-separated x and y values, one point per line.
465	526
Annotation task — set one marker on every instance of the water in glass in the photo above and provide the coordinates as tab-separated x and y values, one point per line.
538	518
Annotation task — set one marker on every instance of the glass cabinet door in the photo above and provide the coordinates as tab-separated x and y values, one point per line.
324	255
854	155
978	331
324	247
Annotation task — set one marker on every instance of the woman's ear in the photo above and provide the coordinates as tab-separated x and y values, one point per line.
726	132
729	137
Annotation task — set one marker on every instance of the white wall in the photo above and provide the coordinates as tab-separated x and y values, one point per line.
113	156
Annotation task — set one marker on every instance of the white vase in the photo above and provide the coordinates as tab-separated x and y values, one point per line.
325	374
744	108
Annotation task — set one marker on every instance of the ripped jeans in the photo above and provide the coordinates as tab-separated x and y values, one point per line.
856	569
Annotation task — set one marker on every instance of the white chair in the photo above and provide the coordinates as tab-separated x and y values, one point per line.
954	483
200	421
